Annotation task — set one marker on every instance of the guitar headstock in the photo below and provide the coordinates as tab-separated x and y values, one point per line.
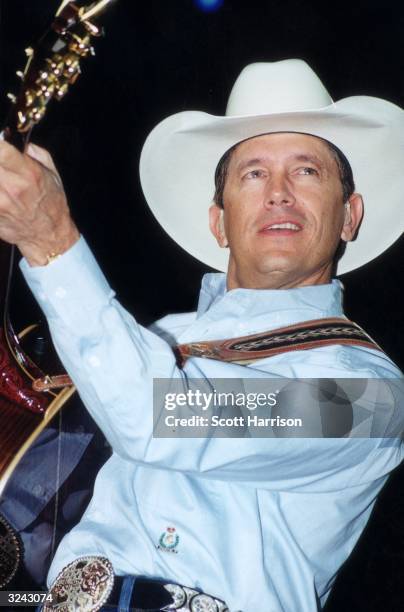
53	65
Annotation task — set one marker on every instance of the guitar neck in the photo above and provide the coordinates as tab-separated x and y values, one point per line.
15	138
7	251
53	65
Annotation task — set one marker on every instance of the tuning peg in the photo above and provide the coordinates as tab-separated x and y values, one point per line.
30	96
61	91
20	74
56	65
22	120
80	46
12	97
72	64
93	29
47	89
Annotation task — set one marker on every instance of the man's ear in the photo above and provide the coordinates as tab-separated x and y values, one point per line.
216	224
353	217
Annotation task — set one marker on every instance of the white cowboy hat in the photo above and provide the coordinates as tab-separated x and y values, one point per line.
180	155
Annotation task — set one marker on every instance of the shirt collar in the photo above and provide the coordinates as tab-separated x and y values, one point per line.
325	300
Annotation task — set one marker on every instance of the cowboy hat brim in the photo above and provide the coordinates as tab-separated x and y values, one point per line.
180	155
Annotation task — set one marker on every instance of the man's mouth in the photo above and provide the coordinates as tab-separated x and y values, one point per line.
281	227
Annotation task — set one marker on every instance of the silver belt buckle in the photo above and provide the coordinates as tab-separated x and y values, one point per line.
10	552
85	585
189	600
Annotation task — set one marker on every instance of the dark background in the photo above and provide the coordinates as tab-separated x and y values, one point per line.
162	57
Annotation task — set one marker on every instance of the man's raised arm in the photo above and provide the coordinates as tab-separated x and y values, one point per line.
34	214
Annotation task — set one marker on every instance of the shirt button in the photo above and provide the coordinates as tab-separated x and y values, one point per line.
60	292
94	361
38	490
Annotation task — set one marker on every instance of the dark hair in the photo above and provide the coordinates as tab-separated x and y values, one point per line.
344	167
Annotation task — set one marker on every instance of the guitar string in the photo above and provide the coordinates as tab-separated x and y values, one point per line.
57	483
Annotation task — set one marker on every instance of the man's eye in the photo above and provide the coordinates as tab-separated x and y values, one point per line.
307	170
254	174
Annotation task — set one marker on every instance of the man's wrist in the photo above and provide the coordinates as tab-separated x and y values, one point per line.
44	252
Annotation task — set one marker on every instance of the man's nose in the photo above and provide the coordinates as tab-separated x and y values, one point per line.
278	192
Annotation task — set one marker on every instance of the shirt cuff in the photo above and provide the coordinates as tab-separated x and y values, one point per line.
72	288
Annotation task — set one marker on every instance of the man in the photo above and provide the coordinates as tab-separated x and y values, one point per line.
260	523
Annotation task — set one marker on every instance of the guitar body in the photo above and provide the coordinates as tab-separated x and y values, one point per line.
19	429
19	424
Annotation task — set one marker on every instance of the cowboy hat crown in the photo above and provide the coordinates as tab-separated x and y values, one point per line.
286	86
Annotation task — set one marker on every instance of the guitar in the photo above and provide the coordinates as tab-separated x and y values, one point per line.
30	395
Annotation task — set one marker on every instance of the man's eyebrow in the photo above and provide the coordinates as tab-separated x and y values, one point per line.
250	162
301	157
309	158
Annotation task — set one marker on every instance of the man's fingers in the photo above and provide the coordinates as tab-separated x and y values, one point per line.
13	184
34	213
10	157
42	156
21	164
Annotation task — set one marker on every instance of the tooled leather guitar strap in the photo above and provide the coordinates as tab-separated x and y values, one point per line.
299	337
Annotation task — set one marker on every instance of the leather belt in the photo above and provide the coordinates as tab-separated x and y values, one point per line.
161	596
87	584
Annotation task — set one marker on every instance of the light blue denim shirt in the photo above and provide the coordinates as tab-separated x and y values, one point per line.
262	523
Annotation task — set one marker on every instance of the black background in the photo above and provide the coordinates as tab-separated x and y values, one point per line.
162	57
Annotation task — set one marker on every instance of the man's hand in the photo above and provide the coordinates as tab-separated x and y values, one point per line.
34	214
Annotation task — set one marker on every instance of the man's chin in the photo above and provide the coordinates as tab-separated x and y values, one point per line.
279	263
265	273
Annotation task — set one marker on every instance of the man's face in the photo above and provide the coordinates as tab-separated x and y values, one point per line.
284	213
